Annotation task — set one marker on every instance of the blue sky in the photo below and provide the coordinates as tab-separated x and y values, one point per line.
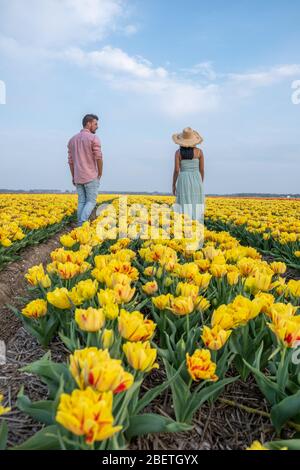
148	68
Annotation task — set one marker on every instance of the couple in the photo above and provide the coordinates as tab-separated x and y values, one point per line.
86	164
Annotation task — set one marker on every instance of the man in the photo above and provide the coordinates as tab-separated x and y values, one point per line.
85	160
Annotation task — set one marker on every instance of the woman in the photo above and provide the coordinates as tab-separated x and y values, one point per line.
189	173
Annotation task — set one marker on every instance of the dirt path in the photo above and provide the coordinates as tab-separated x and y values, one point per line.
13	284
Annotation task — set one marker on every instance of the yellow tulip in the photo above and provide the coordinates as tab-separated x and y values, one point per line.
35	309
200	366
168	281
223	317
258	282
101	261
256	445
83	290
150	271
201	304
187	290
3	409
59	297
107	338
87	413
123	293
90	319
233	278
67	270
215	338
124	267
203	265
286	329
267	300
107	296
162	301
67	241
293	288
181	305
246	266
92	367
202	280
150	287
36	275
6	242
278	267
284	310
218	270
111	311
189	271
141	356
134	327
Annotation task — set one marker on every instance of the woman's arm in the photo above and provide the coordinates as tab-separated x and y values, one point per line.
176	171
201	165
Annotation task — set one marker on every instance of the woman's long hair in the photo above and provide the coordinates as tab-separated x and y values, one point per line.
187	153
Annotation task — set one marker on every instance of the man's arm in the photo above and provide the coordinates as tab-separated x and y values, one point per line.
71	163
97	152
100	167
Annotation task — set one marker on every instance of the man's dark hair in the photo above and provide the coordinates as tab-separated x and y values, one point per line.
88	118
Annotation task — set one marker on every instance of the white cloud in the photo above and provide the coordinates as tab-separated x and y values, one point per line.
63	29
59	23
265	77
115	61
173	95
131	29
203	69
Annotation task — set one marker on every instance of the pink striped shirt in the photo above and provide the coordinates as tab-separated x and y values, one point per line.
84	149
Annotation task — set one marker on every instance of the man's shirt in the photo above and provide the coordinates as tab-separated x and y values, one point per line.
84	149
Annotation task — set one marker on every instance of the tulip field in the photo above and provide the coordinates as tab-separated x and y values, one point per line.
153	331
29	219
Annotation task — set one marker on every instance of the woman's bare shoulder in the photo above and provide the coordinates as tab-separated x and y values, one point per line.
198	153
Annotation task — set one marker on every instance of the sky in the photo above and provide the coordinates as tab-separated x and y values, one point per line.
149	68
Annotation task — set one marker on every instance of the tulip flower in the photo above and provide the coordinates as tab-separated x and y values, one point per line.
87	413
59	298
3	409
134	327
111	311
92	367
141	356
106	296
162	301
293	288
215	338
67	241
187	290
278	267
200	366
150	288
90	319
123	293
181	305
36	275
256	445
35	309
107	338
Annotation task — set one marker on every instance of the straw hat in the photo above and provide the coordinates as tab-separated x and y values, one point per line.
187	138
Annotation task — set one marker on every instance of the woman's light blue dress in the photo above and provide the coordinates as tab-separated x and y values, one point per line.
189	189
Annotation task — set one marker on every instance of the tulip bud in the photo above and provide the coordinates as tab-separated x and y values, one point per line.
108	338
